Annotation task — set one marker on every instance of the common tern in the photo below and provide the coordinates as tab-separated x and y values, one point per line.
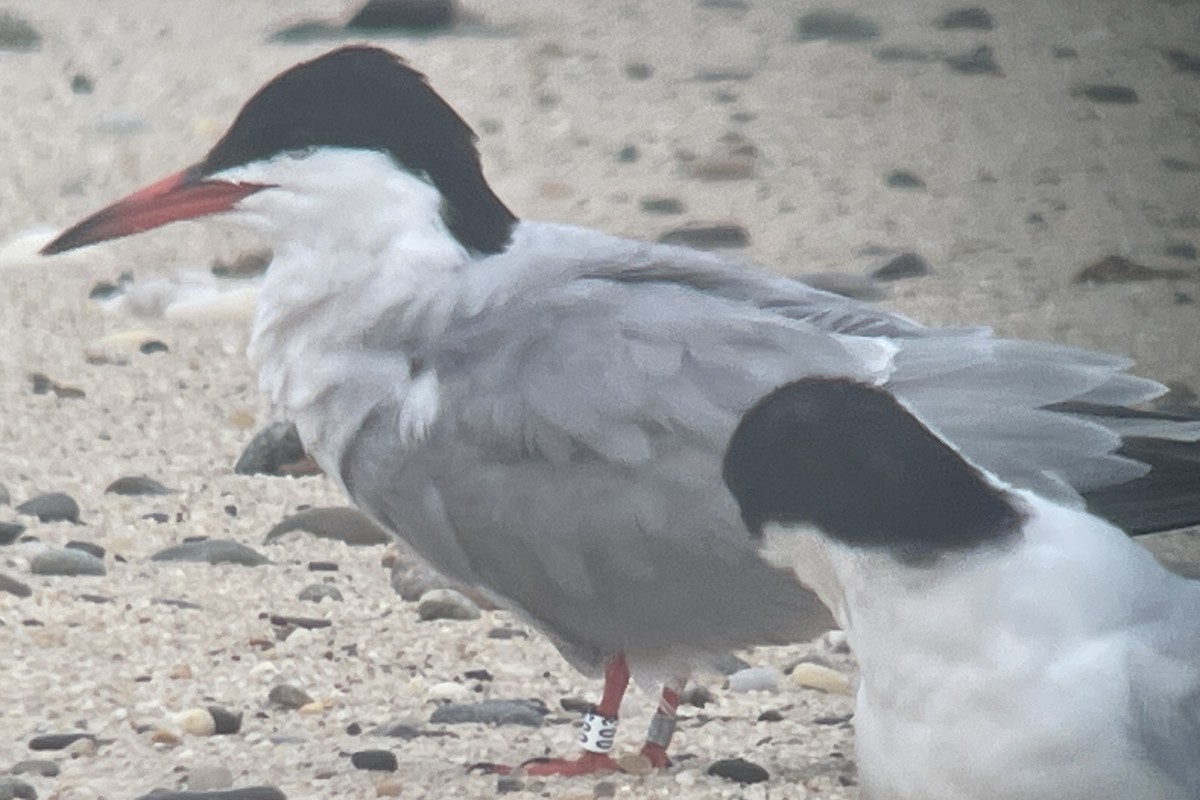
541	410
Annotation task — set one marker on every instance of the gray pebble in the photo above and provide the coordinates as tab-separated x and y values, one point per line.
36	766
322	566
1183	250
243	793
16	789
973	18
412	581
225	721
398	730
980	61
68	562
57	741
9	531
696	696
446	604
97	599
638	70
903	179
340	524
493	712
14	586
133	485
707	236
1106	93
51	507
1118	269
86	547
903	52
1180	165
754	679
175	602
739	770
661	205
288	696
273	447
905	265
17	34
247	265
836	26
213	551
316	592
82	84
628	154
375	760
1184	61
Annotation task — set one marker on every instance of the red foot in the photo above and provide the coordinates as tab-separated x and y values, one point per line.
586	764
656	754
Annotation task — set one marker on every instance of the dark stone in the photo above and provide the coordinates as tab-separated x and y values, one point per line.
507	784
576	705
68	563
661	205
157	516
478	675
719	74
840	719
271	448
288	696
97	599
739	770
175	602
980	61
696	696
1105	93
628	154
227	722
212	551
836	26
9	531
707	236
16	789
405	15
507	633
51	507
638	71
133	485
1180	165
316	592
728	663
322	566
974	18
310	623
153	346
16	33
905	265
493	712
40	383
376	760
354	729
1184	250
36	766
771	715
340	524
243	793
1183	61
398	730
82	84
57	741
903	179
1183	299
1118	269
91	548
14	586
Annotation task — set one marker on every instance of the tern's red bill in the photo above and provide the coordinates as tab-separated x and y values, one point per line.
178	197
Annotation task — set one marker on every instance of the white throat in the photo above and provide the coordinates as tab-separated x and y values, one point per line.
357	242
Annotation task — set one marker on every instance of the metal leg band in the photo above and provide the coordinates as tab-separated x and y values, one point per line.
662	728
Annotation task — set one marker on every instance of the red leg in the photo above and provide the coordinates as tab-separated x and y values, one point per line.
662	726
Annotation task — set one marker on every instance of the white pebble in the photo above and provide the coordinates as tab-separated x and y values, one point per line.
754	679
196	721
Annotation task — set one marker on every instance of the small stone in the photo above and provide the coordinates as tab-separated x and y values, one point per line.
315	707
225	722
754	679
14	586
157	516
835	26
973	18
9	531
180	672
16	789
82	84
91	548
638	71
208	778
696	696
905	265
771	715
634	764
175	602
241	793
375	760
1106	93
413	581
628	154
980	61
165	738
390	787
212	551
17	34
398	730
505	633
196	721
707	236
481	675
739	770
287	696
507	784
446	604
1184	61
153	346
51	507
661	205
822	679
307	623
1182	250
57	741
339	524
80	748
493	712
404	15
903	179
246	265
36	766
322	566
97	599
733	168
1180	165
271	448
64	562
718	74
1118	269
316	592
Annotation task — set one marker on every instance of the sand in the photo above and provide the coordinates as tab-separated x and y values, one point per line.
1025	184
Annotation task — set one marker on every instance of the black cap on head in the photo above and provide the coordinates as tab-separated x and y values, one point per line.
368	98
850	460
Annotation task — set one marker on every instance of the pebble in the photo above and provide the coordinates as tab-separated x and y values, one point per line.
316	592
903	179
638	70
16	789
446	604
399	729
820	678
9	531
1106	93
273	447
754	679
1181	250
731	168
405	15
176	602
51	507
707	235
66	562
835	26
656	204
1118	269
14	586
82	84
696	696
134	485
634	764
17	33
243	793
1184	61
507	784
412	581
980	61
322	566
449	692
208	777
739	770
337	523
57	741
225	722
628	154
905	265
973	18
307	623
288	696
43	384
86	547
97	599
1180	165
390	788
213	551
36	766
771	715
375	760
196	721
493	712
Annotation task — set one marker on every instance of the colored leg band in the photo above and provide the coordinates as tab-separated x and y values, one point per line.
662	728
598	733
